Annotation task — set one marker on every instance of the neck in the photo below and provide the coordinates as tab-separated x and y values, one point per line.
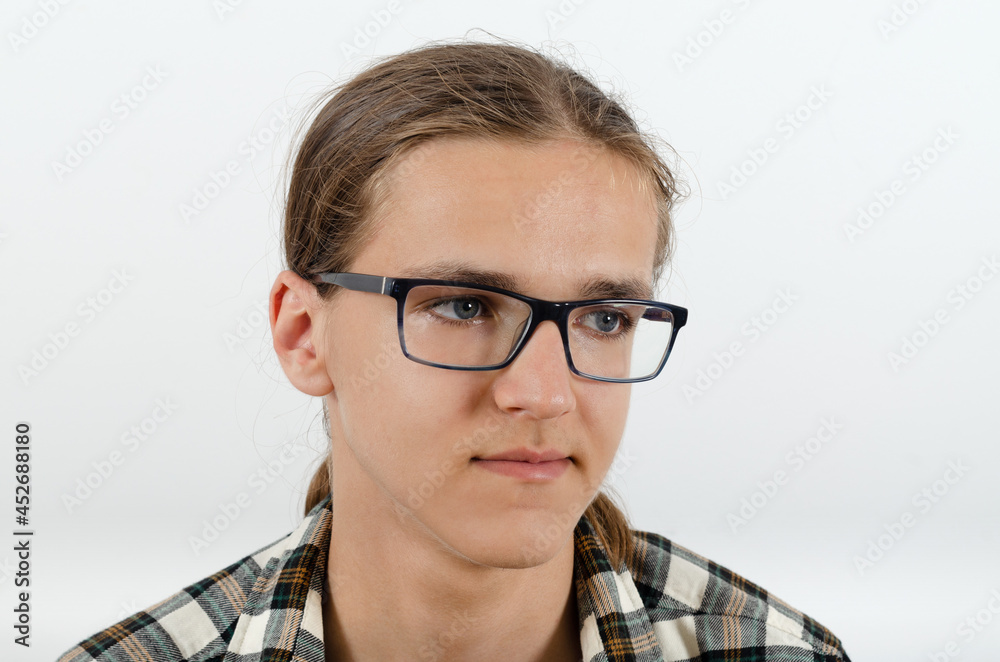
396	592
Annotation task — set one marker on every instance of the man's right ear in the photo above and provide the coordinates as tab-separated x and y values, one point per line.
294	310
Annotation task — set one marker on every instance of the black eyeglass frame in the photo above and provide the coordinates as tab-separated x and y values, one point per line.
541	311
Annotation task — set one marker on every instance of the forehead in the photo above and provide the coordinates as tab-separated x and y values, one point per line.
559	219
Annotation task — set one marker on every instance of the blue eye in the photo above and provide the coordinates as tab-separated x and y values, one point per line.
464	308
607	321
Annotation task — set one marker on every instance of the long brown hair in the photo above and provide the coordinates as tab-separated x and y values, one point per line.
469	89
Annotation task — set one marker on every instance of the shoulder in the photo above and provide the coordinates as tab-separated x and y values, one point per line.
195	624
691	599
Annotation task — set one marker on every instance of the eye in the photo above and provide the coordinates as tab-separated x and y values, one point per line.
608	321
464	308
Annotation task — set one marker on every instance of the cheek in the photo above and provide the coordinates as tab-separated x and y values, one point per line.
605	415
401	425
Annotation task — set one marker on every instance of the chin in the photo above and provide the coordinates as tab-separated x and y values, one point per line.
515	539
508	554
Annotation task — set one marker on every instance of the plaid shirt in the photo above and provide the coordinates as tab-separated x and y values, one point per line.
668	605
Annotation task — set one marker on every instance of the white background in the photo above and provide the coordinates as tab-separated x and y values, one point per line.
688	459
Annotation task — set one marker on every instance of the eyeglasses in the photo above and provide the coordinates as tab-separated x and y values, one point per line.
465	326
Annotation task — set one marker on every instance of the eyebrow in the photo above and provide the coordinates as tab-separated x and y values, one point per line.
595	287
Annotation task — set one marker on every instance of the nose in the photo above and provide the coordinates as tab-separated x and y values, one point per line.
539	380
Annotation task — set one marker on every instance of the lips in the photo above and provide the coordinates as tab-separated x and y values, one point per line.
526	464
527	455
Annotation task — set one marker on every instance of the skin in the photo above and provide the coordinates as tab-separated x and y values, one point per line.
480	566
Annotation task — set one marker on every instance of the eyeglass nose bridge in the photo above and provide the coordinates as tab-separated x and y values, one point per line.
543	311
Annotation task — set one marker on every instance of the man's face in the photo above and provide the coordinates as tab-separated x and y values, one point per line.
408	437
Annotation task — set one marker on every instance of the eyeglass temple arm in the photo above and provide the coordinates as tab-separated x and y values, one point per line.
357	282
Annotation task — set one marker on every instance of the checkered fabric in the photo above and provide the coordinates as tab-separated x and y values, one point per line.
668	605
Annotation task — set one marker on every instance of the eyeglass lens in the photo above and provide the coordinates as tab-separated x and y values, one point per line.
456	326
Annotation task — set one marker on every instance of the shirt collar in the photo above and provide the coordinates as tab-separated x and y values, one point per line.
282	618
613	617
